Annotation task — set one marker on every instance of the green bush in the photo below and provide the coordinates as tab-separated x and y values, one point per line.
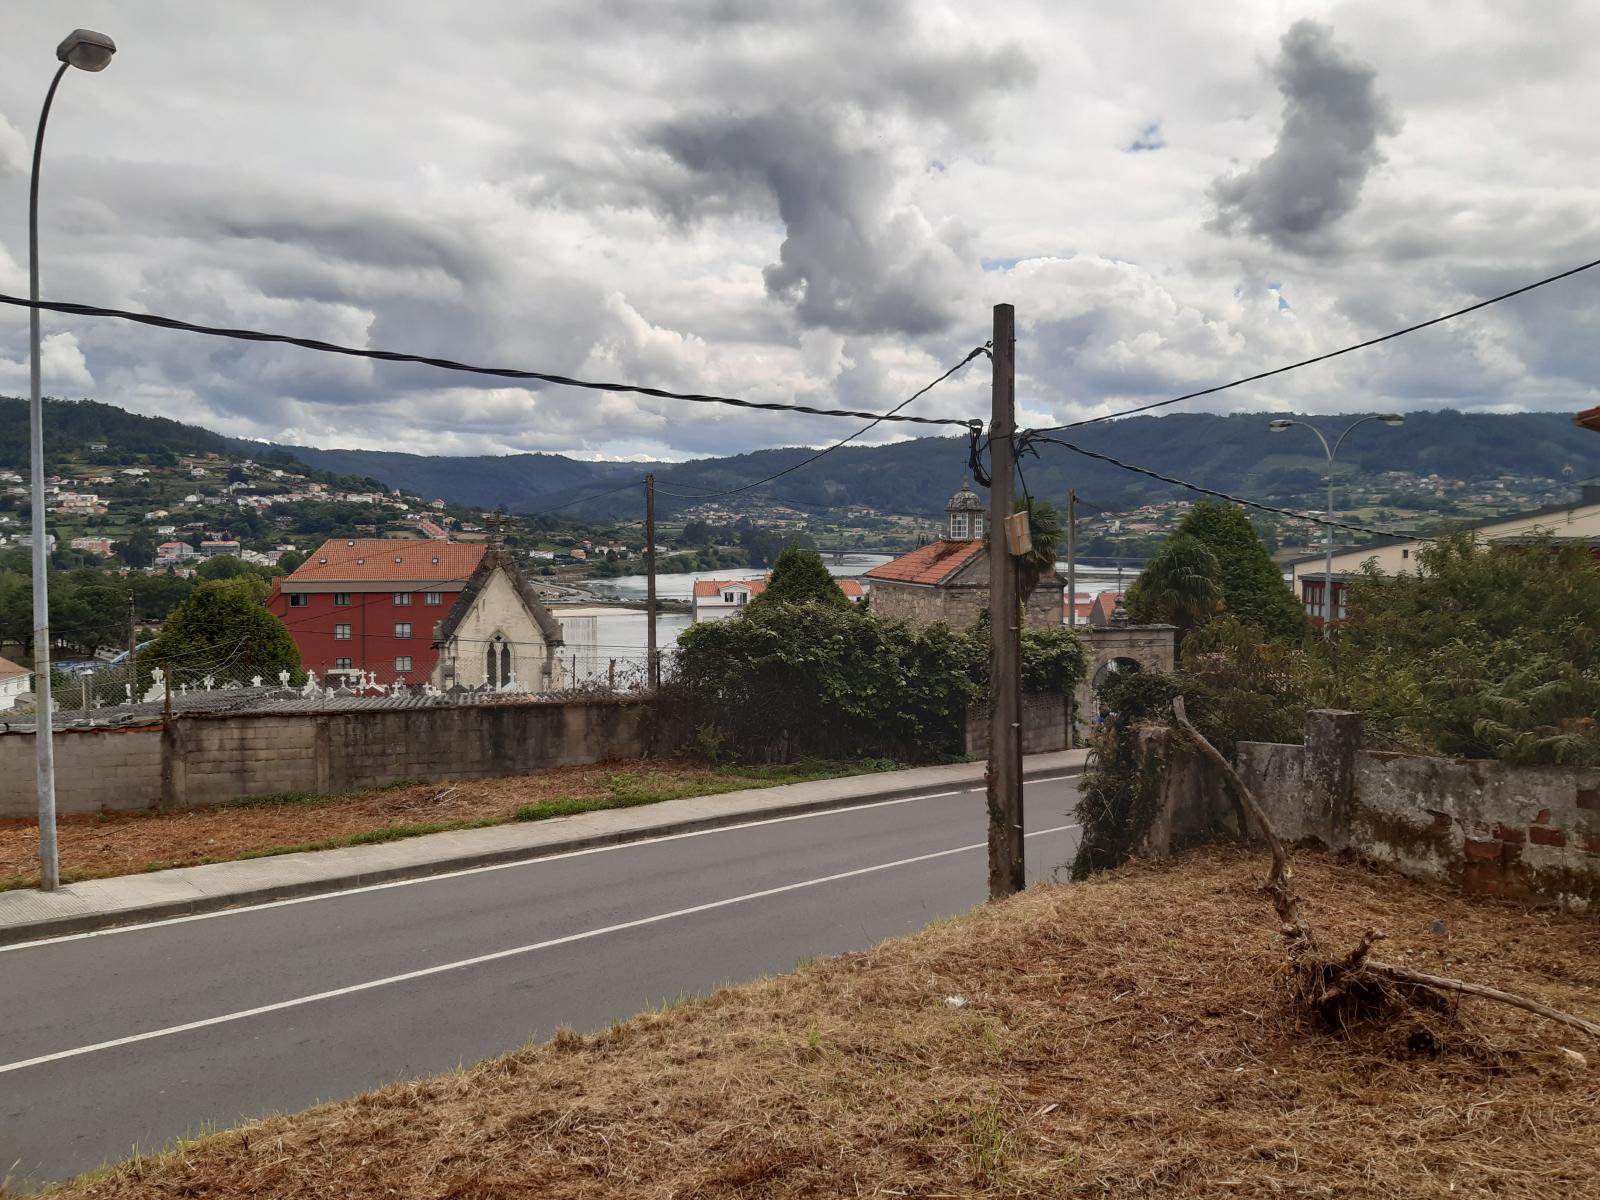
792	680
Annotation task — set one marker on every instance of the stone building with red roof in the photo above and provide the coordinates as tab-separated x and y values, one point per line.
947	582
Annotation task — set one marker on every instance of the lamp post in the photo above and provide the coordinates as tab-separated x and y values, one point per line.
88	51
1278	426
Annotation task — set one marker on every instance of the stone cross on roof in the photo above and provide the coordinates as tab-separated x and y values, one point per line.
496	523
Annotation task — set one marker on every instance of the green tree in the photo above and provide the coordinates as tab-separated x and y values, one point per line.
1253	588
1179	586
289	561
222	625
139	549
799	577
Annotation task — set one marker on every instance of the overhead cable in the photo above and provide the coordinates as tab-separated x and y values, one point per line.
1306	362
447	364
888	416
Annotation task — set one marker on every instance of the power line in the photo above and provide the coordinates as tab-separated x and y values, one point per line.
1033	436
1306	362
890	415
447	364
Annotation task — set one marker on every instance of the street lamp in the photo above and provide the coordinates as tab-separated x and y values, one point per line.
88	51
1283	423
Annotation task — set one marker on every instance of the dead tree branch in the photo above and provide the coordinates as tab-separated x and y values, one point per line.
1443	983
1330	985
1280	881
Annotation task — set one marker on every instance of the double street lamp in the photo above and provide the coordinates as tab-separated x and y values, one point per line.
1283	423
88	51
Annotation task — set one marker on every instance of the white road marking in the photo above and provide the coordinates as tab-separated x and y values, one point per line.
477	960
505	866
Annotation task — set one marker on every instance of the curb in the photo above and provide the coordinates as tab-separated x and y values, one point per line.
30	931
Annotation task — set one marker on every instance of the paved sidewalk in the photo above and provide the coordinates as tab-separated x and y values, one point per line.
27	914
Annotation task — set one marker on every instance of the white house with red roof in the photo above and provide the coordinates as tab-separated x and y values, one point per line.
719	599
15	681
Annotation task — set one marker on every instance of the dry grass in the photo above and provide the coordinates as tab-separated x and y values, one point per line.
1125	1037
127	843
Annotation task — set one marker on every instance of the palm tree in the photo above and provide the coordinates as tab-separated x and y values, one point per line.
1177	587
1044	529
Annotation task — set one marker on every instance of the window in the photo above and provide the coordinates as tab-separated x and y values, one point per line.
958	526
977	525
497	663
341	633
403	663
298	600
1405	553
341	598
341	664
402	597
433	597
735	596
402	629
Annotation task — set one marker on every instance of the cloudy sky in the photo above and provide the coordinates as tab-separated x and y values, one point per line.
805	200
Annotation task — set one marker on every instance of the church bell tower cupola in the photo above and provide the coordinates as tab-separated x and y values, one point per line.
964	516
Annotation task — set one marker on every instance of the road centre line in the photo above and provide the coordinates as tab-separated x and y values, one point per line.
457	874
494	956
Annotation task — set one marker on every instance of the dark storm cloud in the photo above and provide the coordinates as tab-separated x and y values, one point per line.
851	261
1333	115
813	112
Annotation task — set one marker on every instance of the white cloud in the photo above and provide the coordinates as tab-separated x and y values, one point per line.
796	201
63	370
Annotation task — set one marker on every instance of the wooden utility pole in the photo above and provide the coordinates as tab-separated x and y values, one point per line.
652	666
1007	869
1072	599
1072	559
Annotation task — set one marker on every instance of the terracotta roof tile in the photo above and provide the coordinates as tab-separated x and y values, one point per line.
10	670
933	563
387	560
709	589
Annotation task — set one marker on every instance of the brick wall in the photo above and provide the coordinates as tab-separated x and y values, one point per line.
1522	833
197	760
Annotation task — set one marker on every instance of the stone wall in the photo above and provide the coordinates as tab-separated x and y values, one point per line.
1522	833
1044	726
205	759
959	605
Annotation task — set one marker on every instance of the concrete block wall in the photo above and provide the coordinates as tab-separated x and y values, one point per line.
98	771
1044	726
1520	833
199	760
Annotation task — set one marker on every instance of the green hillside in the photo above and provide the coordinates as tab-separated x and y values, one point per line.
1235	453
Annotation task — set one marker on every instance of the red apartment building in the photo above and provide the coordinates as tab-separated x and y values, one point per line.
370	604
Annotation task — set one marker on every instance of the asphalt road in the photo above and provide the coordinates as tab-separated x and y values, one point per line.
131	1038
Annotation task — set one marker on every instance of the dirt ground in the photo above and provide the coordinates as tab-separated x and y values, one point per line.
121	844
1128	1037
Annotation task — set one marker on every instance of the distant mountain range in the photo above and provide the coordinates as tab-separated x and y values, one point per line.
1235	453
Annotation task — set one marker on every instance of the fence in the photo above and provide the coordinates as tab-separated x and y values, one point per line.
115	695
